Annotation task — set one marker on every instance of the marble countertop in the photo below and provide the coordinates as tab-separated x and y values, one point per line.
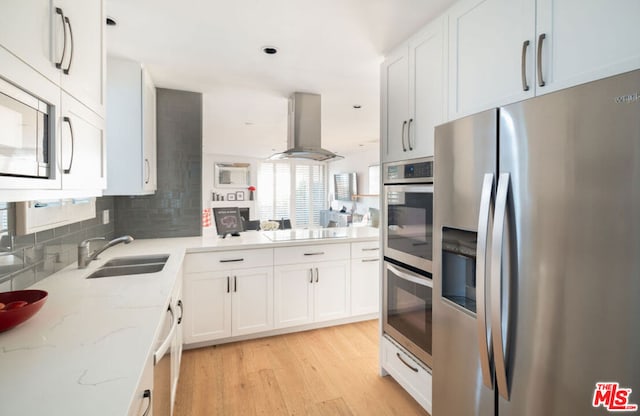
85	350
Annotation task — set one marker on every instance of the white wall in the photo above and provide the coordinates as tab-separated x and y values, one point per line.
359	163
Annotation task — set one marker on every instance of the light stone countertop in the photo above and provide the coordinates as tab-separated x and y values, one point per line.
84	352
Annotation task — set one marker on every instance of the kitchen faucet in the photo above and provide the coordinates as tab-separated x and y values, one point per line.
84	258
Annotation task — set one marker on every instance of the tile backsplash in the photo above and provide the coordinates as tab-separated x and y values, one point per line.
27	259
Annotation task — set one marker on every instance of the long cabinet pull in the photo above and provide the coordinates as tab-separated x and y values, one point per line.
228	284
371	249
66	70
497	246
181	306
414	369
404	125
68	121
317	253
523	65
64	39
235	283
484	216
317	275
147	166
541	39
369	260
231	260
409	134
311	275
147	395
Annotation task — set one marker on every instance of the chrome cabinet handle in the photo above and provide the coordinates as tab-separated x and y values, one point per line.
409	134
371	249
486	202
66	70
523	66
404	124
541	39
147	169
414	369
317	253
64	39
147	395
68	121
317	275
369	260
497	245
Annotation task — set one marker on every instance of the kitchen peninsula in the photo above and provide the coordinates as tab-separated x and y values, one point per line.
90	349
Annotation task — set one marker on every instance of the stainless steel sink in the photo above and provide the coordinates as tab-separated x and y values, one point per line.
135	260
122	266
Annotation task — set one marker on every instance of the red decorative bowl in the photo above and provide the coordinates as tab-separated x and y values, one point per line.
10	315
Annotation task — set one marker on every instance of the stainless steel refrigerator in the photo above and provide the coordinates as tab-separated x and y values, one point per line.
537	255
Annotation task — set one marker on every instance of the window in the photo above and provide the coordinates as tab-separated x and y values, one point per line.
294	190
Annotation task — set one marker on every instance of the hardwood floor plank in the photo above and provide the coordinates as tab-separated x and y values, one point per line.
323	372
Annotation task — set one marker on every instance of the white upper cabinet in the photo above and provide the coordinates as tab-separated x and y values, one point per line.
490	61
83	148
81	40
25	31
585	41
413	94
131	129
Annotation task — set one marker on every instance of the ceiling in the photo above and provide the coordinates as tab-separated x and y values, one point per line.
330	47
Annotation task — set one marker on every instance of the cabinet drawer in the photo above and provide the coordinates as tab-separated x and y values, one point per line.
365	249
237	259
308	254
408	373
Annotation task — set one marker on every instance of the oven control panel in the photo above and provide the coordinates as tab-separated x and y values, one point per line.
416	170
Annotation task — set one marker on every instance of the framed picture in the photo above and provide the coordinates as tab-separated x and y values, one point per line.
240	196
231	196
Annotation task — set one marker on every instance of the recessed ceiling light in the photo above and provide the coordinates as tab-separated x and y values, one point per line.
357	106
270	50
111	21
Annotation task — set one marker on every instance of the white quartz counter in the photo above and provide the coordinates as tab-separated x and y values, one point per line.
85	350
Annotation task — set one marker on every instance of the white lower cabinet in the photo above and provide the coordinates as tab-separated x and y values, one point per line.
365	286
176	345
225	303
413	377
311	292
141	404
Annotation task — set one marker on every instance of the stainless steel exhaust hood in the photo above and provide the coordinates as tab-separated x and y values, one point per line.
304	133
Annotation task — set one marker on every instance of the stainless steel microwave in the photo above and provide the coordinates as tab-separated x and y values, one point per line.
26	133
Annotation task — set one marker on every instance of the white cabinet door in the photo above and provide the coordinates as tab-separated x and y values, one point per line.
585	41
149	137
131	129
331	290
176	345
252	300
25	31
207	306
486	42
365	286
427	89
293	295
83	68
83	147
395	105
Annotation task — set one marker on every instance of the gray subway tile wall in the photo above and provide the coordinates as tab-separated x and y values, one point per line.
30	258
175	210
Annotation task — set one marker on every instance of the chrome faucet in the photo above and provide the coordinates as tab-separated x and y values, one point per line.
84	258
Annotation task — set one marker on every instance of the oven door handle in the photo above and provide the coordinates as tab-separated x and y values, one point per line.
422	281
166	344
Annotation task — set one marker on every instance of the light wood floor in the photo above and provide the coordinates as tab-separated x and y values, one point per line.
323	372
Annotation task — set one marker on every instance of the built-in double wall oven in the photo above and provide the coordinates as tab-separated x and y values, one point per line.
407	249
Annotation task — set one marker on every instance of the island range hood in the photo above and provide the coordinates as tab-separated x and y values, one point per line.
304	130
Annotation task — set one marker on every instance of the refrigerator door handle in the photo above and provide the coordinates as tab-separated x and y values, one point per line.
497	245
486	202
